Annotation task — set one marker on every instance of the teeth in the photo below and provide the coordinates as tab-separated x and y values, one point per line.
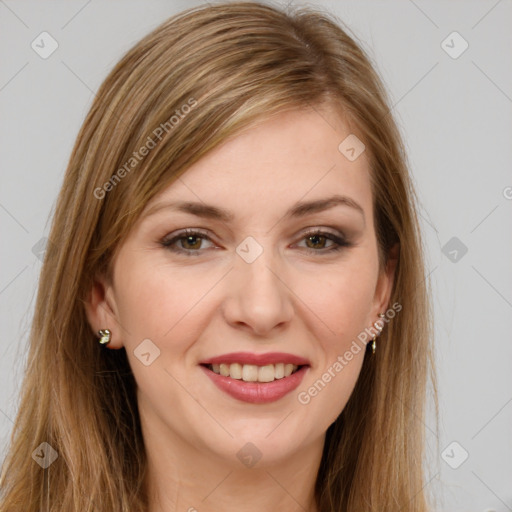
224	370
266	373
235	371
249	373
253	373
288	369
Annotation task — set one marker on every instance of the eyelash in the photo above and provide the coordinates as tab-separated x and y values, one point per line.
340	243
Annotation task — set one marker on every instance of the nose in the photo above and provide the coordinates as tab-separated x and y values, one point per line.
258	299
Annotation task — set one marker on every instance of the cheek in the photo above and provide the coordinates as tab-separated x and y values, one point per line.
342	302
156	302
341	298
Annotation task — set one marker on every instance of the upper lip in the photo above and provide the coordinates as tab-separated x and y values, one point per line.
257	359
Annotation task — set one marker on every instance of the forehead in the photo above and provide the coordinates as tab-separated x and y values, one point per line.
291	156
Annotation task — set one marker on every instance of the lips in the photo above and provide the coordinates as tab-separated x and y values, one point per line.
257	359
256	378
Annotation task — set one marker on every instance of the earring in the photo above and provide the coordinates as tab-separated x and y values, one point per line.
105	336
379	328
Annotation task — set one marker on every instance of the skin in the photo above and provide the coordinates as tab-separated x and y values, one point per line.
312	304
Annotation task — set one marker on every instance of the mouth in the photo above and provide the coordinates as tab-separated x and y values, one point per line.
256	378
254	373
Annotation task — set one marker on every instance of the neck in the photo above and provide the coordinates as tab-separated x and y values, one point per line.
182	478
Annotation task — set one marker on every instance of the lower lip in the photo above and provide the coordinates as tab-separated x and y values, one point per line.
257	392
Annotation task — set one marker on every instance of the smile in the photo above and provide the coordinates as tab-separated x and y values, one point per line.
254	373
256	378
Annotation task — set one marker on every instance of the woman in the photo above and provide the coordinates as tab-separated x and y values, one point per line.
232	312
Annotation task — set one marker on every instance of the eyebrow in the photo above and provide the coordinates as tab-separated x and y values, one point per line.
300	209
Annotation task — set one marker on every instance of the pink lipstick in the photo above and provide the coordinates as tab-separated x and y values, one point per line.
256	378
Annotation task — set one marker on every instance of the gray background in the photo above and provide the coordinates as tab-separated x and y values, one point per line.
455	114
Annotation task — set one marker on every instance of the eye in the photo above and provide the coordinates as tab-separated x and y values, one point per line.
316	241
190	241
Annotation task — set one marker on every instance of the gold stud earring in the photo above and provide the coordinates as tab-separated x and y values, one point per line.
105	336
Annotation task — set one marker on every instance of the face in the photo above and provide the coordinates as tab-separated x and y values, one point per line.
277	273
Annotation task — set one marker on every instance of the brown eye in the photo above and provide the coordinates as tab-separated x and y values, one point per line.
188	242
191	242
316	242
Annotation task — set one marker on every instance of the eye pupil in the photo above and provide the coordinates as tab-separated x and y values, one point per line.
192	237
316	239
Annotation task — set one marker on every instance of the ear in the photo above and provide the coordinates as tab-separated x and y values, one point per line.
385	283
101	312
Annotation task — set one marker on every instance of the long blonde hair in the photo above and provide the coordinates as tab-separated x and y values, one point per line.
233	64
